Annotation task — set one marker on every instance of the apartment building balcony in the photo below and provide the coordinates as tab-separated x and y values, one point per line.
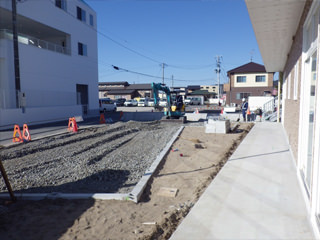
34	33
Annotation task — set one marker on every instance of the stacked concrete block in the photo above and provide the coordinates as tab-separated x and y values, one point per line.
219	126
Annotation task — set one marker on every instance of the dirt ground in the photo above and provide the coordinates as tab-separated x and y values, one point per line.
197	159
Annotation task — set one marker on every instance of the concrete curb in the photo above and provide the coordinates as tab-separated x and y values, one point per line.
138	189
41	196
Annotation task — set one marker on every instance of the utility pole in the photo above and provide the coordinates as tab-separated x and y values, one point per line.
172	81
163	66
16	52
218	70
251	53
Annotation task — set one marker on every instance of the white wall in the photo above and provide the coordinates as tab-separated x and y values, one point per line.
7	82
251	80
49	78
36	115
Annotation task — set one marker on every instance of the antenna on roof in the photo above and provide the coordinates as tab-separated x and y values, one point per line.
251	53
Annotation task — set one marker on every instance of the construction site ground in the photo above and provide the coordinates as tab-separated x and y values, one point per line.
186	171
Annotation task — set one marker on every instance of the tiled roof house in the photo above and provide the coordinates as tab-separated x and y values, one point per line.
250	79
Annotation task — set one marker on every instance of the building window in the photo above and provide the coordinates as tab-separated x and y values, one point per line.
241	79
239	96
289	86
81	14
82	49
295	81
61	4
261	78
91	20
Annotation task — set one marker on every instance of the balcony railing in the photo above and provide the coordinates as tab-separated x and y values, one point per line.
32	41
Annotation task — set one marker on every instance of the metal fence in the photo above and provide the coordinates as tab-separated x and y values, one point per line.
32	41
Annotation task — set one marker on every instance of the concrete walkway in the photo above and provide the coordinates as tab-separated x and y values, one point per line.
256	195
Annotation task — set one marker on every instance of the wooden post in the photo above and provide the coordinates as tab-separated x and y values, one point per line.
6	180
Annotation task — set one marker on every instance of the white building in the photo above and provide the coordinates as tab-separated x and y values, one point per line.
57	43
210	88
288	36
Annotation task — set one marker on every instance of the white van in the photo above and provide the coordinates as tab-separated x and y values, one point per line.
107	105
192	101
143	102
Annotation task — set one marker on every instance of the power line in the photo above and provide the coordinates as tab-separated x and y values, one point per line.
152	76
129	49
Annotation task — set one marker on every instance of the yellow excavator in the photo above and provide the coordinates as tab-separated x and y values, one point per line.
175	108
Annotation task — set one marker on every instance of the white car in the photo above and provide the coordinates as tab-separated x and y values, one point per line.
142	102
131	103
150	102
107	105
163	102
192	101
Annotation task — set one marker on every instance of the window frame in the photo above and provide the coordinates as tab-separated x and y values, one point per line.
82	49
240	95
62	4
241	77
91	20
260	76
81	14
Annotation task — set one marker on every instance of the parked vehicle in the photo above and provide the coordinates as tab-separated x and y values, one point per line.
107	105
192	101
131	103
120	101
150	102
142	102
163	102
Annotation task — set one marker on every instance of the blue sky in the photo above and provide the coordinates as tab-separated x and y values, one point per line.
186	35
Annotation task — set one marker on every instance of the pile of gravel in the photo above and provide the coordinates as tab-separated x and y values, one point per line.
108	159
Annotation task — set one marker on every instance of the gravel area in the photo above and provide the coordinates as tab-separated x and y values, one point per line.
103	159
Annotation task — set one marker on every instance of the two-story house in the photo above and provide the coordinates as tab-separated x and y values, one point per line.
250	79
57	52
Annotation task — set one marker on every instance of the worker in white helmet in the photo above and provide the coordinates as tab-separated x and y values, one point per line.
244	108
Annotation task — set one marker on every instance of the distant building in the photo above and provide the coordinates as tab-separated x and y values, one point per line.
115	90
247	80
192	88
210	88
180	91
57	42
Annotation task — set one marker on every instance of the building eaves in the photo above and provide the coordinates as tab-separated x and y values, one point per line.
103	88
193	87
114	83
201	92
121	91
248	68
141	86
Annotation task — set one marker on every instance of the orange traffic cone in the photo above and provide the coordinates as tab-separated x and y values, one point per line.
25	133
16	132
72	126
121	115
197	111
221	111
102	119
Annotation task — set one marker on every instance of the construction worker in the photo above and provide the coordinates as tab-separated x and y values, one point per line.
244	108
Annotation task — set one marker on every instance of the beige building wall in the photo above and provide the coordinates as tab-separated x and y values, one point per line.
292	83
251	80
210	88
